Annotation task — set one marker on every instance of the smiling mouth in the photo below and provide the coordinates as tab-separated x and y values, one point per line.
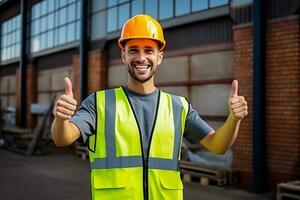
137	66
141	68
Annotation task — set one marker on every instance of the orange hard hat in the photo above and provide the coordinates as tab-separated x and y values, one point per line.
142	26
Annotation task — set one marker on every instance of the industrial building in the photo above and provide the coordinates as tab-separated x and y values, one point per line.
209	44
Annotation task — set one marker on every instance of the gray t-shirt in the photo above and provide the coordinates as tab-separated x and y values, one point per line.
144	106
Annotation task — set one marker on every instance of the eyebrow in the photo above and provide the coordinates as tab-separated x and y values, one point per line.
131	47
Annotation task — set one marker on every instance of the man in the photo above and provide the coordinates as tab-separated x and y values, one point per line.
134	132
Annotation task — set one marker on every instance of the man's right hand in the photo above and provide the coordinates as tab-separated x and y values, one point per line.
65	106
64	132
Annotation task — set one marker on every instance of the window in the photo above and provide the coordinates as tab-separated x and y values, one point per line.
165	9
182	7
136	7
151	8
54	22
123	14
109	15
215	3
112	19
10	38
198	5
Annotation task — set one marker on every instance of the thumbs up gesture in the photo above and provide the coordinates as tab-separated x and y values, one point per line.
65	105
237	104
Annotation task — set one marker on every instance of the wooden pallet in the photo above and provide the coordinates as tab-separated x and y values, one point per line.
289	190
82	152
207	175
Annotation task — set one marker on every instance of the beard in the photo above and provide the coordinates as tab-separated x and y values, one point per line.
131	70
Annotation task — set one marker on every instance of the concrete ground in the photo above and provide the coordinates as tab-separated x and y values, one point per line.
61	175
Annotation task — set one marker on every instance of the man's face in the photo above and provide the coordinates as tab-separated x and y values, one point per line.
142	57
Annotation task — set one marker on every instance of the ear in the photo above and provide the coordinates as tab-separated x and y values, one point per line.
123	55
160	57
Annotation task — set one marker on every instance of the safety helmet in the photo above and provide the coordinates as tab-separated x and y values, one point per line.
142	26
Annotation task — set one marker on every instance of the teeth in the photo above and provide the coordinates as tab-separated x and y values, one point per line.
142	67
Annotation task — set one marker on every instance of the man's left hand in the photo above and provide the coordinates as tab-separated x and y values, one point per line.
237	104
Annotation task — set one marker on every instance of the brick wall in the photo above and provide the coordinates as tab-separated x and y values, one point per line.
282	99
283	105
97	73
31	94
76	77
242	39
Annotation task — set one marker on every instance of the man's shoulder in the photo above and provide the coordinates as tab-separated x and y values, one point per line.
172	94
176	98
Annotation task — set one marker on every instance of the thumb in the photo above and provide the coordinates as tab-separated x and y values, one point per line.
68	86
234	88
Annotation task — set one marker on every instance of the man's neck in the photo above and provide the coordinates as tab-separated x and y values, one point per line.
142	88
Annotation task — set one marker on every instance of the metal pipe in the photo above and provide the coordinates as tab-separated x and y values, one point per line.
23	66
84	50
259	139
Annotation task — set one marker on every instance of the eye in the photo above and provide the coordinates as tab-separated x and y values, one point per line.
149	51
132	51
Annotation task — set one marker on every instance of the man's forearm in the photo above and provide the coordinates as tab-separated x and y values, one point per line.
220	140
64	132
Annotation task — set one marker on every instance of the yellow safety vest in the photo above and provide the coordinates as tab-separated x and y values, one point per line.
119	171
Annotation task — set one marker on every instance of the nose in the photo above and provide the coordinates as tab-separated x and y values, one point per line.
141	57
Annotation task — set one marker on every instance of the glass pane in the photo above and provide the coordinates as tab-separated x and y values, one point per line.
43	7
50	39
215	3
17	50
43	24
199	5
63	3
4	54
71	32
13	40
33	12
136	7
98	25
19	21
182	7
35	44
165	9
112	2
8	54
51	5
50	24
98	5
78	10
38	10
43	41
56	37
12	53
78	25
112	19
18	33
56	18
123	14
151	8
63	16
71	12
13	23
7	40
36	27
62	35
8	26
123	1
2	41
3	28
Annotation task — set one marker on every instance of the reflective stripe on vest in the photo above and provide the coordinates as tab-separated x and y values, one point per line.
111	160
